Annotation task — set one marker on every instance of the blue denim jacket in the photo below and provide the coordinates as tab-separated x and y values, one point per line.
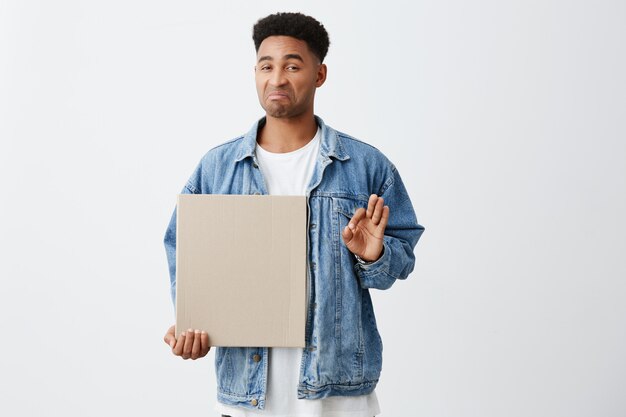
343	353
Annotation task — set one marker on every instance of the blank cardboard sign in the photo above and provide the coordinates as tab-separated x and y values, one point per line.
241	268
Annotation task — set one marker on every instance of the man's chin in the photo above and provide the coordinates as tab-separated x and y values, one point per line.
278	112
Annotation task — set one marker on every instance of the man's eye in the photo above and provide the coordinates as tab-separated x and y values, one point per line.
292	68
265	68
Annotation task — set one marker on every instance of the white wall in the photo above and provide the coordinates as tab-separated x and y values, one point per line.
505	119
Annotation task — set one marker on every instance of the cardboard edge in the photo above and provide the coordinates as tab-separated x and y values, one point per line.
177	304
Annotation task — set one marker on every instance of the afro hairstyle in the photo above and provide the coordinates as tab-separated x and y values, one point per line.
295	25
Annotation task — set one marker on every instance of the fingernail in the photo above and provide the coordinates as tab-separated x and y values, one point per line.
182	334
351	226
190	330
197	332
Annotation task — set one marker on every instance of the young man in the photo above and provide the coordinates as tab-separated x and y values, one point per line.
362	232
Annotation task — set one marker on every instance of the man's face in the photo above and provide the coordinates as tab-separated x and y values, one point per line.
287	74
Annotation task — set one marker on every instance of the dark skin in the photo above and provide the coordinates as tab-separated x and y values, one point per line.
287	75
192	344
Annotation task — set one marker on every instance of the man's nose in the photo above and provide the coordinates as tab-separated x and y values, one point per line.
278	78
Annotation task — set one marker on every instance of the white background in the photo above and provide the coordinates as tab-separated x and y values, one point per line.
506	120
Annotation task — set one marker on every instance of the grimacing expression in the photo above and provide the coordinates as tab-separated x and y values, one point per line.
287	74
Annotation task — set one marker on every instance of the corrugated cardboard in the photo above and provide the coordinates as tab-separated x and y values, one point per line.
241	268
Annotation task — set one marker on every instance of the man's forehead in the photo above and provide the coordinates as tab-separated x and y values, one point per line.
280	47
284	57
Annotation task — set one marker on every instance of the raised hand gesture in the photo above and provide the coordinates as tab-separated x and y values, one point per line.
364	233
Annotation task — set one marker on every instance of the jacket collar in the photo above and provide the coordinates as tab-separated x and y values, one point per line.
330	146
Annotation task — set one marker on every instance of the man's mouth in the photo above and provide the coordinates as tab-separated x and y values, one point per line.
275	95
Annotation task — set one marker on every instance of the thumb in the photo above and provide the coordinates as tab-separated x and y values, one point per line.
170	340
347	234
169	337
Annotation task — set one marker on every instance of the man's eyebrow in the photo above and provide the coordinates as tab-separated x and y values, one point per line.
288	56
293	56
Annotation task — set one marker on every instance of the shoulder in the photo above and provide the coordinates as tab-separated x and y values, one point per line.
360	150
224	151
367	162
350	140
217	163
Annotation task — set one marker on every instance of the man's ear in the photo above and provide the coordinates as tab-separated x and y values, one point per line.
321	75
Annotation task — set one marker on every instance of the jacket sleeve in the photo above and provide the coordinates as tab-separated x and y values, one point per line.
401	236
193	186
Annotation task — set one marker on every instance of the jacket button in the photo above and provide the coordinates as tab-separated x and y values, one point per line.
313	226
255	165
254	402
256	358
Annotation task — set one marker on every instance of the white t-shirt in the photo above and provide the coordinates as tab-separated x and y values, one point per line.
289	174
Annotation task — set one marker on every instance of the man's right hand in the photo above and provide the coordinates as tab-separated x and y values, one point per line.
192	344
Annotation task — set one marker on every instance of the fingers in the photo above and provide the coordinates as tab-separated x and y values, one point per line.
170	337
180	343
184	344
188	344
375	206
348	237
358	216
204	342
384	219
371	204
378	211
347	234
197	345
192	344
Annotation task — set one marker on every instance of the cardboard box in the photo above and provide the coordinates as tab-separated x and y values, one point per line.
241	268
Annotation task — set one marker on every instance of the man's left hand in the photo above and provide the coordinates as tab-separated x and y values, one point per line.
364	233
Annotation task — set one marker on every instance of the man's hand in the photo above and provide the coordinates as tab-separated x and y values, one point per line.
192	344
364	233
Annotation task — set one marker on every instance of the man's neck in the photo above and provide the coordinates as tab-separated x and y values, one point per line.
280	135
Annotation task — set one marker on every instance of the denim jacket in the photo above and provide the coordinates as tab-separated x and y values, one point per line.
343	353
